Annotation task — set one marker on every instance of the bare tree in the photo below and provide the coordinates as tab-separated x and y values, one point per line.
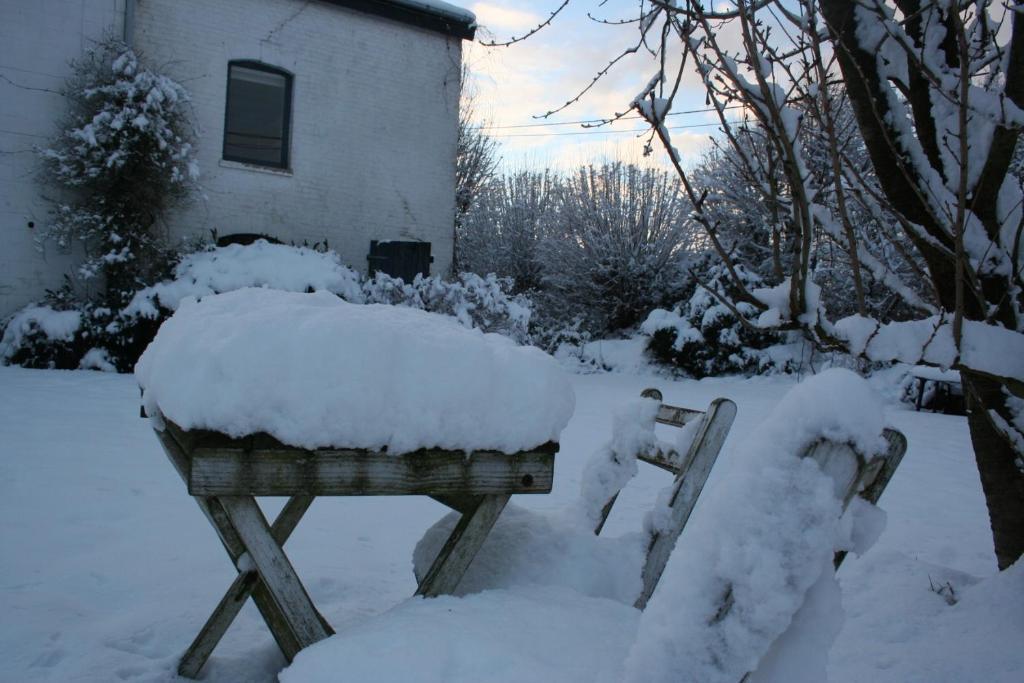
476	158
936	88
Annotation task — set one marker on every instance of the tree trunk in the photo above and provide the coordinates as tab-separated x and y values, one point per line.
1002	480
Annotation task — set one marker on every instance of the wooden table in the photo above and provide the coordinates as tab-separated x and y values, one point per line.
944	379
224	475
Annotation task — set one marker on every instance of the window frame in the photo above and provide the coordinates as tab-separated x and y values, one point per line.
286	122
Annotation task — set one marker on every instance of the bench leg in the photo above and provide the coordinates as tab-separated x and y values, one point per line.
461	547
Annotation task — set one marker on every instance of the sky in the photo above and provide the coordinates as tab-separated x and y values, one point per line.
513	85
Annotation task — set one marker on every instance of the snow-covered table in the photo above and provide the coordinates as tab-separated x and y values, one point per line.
263	393
224	475
948	380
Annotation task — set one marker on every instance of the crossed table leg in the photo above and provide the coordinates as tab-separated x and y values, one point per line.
265	573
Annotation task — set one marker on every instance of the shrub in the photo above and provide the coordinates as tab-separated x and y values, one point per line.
703	337
123	157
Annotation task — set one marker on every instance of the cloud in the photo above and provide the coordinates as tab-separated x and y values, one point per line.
513	85
497	18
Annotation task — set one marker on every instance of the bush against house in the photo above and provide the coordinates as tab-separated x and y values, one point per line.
124	155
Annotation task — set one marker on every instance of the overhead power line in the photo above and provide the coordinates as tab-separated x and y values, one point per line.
606	132
598	121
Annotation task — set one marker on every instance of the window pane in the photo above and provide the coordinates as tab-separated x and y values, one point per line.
257	102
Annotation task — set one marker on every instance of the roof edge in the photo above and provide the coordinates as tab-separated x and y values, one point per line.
421	13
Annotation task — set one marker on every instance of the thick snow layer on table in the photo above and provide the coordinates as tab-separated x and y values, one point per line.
762	538
315	371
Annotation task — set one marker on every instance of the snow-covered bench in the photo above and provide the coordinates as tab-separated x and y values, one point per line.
265	393
750	586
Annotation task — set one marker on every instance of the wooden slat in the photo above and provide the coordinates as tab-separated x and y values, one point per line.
217	472
707	443
275	570
669	414
235	597
670	461
676	416
893	457
461	547
873	484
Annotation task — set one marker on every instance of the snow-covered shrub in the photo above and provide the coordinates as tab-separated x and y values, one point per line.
502	232
482	302
703	336
260	264
124	154
42	337
619	244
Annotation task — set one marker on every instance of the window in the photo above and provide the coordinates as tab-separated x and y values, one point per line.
258	112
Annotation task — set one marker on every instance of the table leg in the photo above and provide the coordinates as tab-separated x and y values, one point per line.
243	586
461	547
276	572
276	621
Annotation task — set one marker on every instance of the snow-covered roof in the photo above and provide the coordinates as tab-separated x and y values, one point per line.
433	15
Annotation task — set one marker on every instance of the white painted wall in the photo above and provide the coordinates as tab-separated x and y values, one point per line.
374	123
37	40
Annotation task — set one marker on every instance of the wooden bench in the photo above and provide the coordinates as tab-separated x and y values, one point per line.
691	471
224	475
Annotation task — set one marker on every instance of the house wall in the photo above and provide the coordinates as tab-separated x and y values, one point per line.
373	132
37	40
374	122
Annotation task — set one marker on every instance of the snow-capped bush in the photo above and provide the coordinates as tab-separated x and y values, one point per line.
124	154
260	264
483	302
703	336
41	336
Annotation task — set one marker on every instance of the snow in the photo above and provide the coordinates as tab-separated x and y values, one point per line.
110	568
498	637
935	374
260	264
445	9
56	325
97	359
986	348
527	549
615	464
313	371
758	544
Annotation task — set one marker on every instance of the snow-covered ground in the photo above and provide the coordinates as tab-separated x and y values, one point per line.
108	569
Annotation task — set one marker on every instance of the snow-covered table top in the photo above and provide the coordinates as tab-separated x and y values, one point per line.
314	371
935	374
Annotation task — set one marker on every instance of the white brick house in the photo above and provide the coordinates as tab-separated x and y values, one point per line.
359	144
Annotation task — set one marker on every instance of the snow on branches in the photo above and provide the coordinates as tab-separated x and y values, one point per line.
124	154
